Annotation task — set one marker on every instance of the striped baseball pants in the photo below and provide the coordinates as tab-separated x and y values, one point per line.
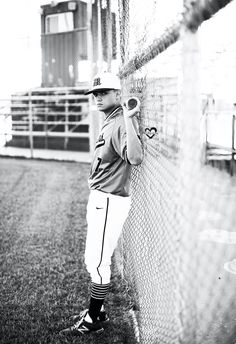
106	214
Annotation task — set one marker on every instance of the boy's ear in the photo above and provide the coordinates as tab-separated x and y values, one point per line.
118	94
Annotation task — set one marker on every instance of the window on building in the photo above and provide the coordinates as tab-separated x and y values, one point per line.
59	22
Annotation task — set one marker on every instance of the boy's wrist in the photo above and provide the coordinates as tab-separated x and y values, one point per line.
129	114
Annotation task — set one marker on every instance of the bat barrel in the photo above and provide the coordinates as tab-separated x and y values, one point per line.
131	103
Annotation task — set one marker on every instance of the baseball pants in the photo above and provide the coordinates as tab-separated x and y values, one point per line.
106	214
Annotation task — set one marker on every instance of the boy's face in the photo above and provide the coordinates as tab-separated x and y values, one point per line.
106	99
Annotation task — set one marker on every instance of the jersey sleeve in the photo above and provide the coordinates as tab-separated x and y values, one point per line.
119	141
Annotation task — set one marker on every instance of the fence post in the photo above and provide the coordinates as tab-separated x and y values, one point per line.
233	147
92	124
206	146
46	127
190	161
66	124
109	35
99	39
31	126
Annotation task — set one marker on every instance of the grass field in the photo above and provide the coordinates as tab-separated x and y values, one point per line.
43	279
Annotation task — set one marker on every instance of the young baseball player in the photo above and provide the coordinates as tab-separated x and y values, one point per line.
117	149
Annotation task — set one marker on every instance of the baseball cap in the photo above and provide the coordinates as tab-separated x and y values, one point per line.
105	81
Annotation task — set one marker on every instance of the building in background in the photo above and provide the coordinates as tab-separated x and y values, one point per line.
78	39
68	58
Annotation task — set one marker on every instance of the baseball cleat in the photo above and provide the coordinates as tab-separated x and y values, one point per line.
83	327
103	317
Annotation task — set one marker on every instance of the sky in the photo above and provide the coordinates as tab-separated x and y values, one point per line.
20	58
20	45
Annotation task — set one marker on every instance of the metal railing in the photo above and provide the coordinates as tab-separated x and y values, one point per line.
61	117
220	137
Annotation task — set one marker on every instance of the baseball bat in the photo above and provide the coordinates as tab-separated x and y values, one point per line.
131	103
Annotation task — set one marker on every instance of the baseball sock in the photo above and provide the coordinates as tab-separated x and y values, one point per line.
98	294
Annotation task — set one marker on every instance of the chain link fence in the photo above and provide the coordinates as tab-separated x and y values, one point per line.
177	252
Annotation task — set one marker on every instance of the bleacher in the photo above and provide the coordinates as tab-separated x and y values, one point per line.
52	118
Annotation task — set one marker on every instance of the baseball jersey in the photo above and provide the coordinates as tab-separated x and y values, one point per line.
110	169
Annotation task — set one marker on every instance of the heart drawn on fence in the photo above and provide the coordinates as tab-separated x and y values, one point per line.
150	132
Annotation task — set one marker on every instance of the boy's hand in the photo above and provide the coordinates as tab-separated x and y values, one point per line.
129	110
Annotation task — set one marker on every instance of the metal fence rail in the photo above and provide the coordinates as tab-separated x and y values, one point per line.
32	120
220	139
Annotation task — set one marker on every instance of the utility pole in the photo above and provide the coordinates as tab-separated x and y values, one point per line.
109	35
